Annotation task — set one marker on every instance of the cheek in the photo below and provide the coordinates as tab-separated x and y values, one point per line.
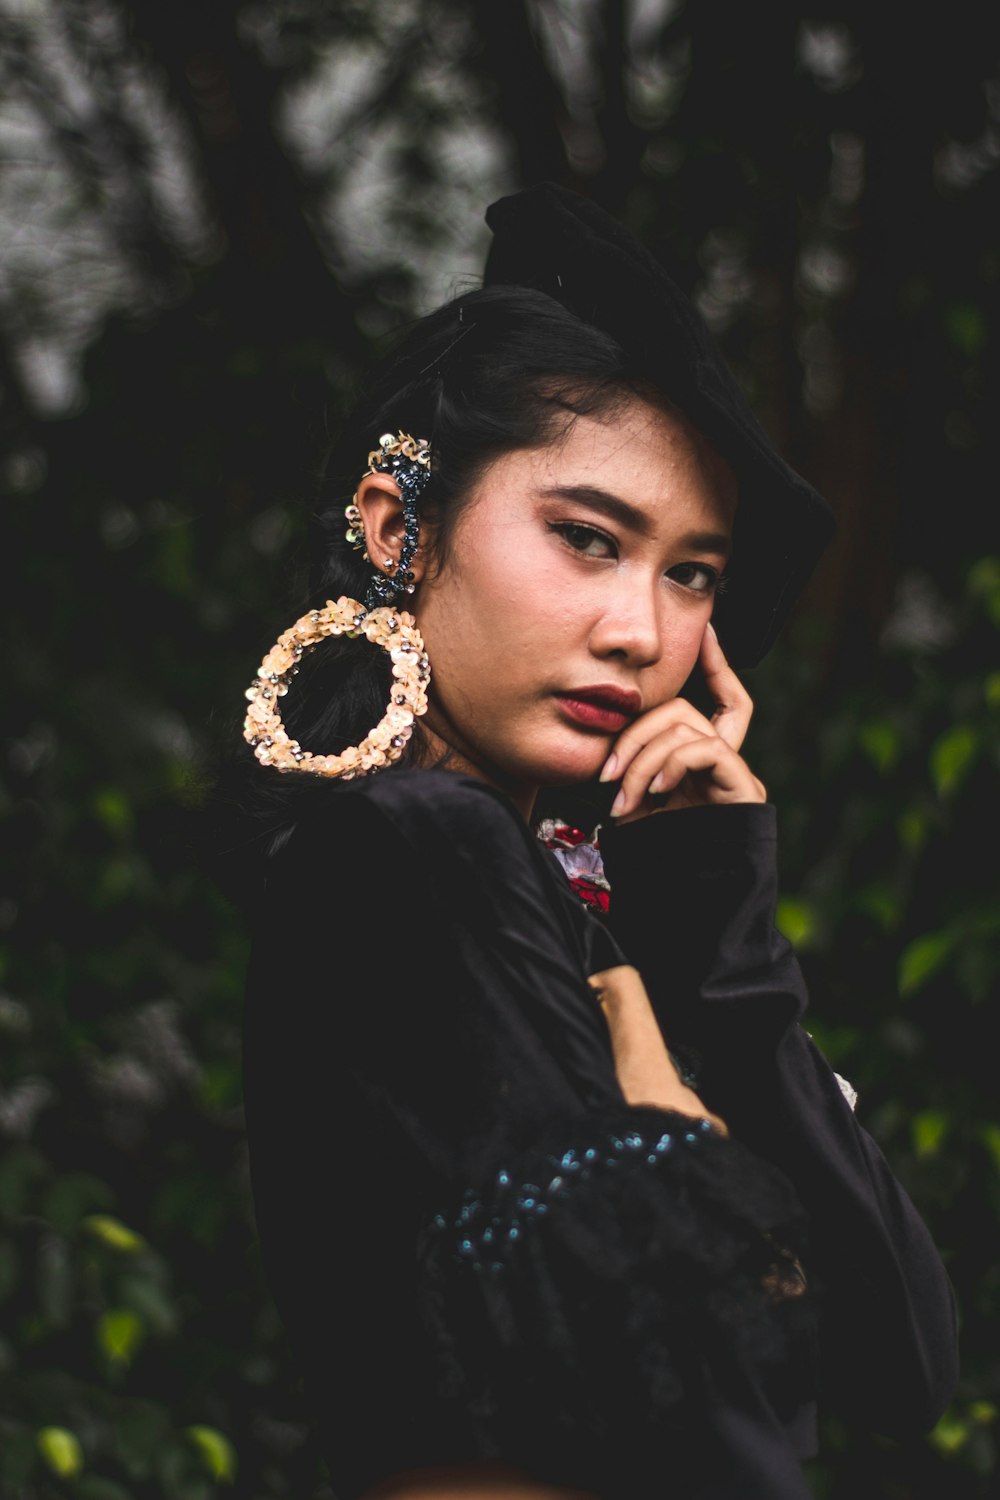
683	633
486	619
539	604
514	601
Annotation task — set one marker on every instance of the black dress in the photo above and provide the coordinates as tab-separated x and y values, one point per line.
480	1250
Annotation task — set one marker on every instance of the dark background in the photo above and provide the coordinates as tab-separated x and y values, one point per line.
213	214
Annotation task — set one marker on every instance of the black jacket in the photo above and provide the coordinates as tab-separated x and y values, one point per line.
479	1249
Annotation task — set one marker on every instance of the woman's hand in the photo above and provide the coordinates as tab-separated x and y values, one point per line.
674	757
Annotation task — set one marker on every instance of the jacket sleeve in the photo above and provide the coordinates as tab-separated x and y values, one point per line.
456	1205
693	903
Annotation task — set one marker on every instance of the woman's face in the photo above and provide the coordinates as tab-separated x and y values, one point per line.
576	590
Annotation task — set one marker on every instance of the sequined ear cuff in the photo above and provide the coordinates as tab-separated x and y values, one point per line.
407	460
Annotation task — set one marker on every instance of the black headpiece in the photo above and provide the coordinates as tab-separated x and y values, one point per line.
550	238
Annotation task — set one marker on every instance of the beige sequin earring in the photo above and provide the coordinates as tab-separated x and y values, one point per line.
408	462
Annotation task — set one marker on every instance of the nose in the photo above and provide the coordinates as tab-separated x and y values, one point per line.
630	628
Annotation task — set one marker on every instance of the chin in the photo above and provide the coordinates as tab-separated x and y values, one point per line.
573	763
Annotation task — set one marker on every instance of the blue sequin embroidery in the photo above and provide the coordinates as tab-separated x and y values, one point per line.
480	1235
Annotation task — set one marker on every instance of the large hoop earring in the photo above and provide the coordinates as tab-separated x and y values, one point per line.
396	632
393	630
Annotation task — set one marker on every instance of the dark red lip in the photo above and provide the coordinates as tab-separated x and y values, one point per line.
604	709
606	695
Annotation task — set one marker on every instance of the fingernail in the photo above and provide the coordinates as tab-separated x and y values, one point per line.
610	767
711	631
656	785
618	805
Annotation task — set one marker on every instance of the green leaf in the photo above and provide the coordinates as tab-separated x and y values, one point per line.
217	1452
880	903
950	1434
991	690
990	1137
115	883
797	920
119	1334
984	576
881	743
113	810
922	959
929	1128
219	1084
983	1412
61	1450
114	1233
966	328
952	755
912	828
984	584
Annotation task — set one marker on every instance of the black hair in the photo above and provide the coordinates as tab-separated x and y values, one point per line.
493	371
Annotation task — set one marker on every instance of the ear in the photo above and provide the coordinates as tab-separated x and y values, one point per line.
381	508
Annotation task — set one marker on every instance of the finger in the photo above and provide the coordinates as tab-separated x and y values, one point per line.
645	729
647	764
734	706
731	777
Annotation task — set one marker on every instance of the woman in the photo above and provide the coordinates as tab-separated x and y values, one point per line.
552	1202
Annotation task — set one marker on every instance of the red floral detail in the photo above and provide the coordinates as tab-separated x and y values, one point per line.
592	895
556	834
580	857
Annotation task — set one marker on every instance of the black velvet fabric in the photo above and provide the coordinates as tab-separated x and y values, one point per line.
424	1064
558	242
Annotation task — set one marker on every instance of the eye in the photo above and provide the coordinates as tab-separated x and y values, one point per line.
586	540
698	577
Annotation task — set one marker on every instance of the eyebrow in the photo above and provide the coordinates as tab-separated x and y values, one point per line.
617	509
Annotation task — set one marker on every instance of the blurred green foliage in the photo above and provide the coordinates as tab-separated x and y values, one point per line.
888	804
841	243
